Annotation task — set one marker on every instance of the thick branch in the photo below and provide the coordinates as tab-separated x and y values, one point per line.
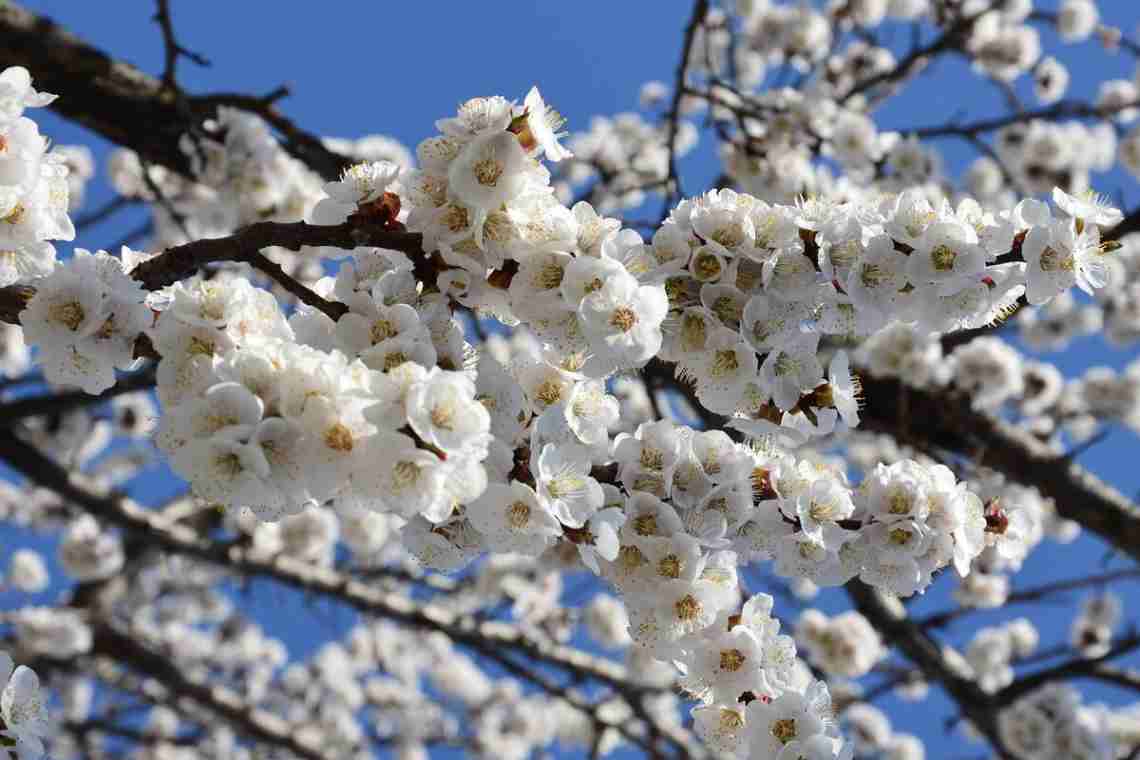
123	104
945	419
58	403
925	652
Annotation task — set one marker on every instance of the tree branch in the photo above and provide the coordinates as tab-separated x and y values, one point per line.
163	534
57	403
96	91
673	117
1078	666
124	652
1034	594
245	245
173	50
925	653
949	422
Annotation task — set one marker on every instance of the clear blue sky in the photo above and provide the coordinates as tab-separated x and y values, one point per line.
357	68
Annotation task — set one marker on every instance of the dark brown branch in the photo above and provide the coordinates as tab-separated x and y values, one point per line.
162	534
107	210
1064	109
951	39
1128	225
58	403
1033	594
13	300
97	91
926	654
1128	679
245	245
1076	667
251	722
101	726
945	419
182	261
172	49
673	181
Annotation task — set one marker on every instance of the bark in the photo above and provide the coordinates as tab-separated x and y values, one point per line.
944	419
125	105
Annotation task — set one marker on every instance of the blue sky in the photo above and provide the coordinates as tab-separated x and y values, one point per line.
357	68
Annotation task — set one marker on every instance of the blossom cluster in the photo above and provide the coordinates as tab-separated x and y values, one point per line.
385	419
85	318
846	645
23	722
33	184
871	735
255	418
990	655
1018	518
1052	722
621	160
772	134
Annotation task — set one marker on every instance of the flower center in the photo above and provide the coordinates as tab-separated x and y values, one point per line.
443	415
382	329
821	510
669	566
549	392
455	218
394	359
707	266
872	275
565	485
900	536
652	459
724	363
729	236
70	314
784	730
726	309
228	465
786	365
732	660
687	607
200	347
899	502
631	557
730	720
645	525
16	214
693	333
518	514
624	318
548	277
942	257
404	474
339	438
487	172
1052	260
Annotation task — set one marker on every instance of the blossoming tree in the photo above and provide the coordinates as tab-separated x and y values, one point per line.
446	389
